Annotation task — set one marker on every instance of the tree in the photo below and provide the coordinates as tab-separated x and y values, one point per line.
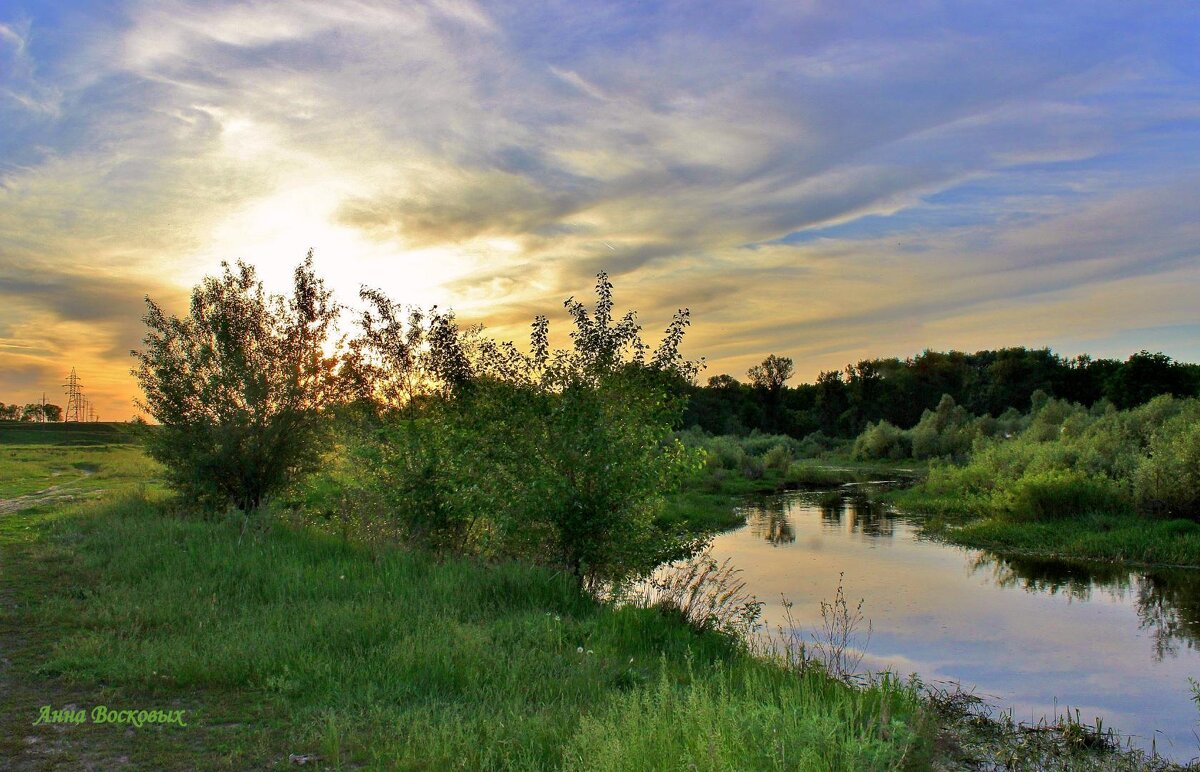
52	413
589	433
1144	376
560	455
240	385
768	378
772	373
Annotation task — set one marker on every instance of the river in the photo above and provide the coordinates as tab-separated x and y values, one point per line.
1036	637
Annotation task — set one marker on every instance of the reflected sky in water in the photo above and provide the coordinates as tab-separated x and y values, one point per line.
1035	636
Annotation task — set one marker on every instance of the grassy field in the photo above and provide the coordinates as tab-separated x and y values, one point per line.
26	433
283	643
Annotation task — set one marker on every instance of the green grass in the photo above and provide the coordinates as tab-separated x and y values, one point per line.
27	433
26	469
1118	535
283	641
1127	539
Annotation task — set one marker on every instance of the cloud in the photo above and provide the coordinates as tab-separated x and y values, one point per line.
815	179
18	78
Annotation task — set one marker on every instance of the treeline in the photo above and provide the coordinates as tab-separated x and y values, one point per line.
842	404
34	411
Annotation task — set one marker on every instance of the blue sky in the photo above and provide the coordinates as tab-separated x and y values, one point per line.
826	181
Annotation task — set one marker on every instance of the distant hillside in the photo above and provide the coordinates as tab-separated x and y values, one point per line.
26	433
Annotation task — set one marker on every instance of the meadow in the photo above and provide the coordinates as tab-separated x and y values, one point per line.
279	640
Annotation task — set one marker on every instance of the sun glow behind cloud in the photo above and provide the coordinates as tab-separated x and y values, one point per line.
823	181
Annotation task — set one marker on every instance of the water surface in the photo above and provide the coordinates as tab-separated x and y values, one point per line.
1033	636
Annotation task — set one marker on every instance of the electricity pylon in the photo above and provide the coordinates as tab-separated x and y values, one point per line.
74	411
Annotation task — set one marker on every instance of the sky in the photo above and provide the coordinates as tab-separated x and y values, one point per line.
828	181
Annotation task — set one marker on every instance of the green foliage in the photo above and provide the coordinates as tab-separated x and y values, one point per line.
239	386
710	720
1167	478
983	383
778	458
562	456
773	373
1058	493
881	441
1065	461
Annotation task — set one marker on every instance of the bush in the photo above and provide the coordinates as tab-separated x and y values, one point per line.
240	386
815	444
881	441
1059	493
946	432
778	458
1167	481
562	456
752	467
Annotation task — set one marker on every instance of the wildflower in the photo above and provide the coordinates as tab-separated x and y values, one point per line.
579	650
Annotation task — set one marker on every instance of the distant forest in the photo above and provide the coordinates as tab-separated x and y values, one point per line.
841	403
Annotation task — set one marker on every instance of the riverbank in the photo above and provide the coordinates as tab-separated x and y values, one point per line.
1115	537
280	643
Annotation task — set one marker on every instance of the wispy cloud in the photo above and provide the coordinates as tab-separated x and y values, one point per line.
815	179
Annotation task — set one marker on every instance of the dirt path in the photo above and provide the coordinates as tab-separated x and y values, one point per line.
55	494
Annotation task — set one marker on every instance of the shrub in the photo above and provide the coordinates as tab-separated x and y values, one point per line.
752	467
1167	480
1058	493
567	453
240	386
814	444
778	458
881	441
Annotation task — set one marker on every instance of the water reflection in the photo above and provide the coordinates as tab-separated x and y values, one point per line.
854	513
1031	634
1167	600
768	519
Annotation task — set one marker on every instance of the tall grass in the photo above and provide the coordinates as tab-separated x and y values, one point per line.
395	658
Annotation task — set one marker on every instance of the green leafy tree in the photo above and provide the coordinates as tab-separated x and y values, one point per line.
240	385
772	373
562	455
590	431
408	365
